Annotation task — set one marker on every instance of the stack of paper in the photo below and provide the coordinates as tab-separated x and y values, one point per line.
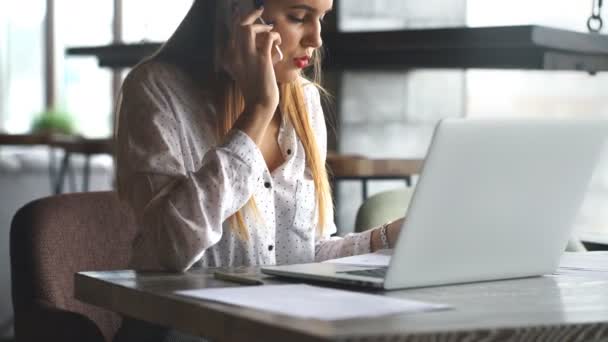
311	302
589	261
588	264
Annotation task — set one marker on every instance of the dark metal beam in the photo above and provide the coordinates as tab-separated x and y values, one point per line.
508	47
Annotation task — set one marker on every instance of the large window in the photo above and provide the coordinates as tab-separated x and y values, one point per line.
21	81
84	88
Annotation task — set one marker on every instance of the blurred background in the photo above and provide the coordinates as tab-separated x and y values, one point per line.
378	113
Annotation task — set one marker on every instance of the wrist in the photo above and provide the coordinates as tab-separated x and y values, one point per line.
381	238
384	239
254	121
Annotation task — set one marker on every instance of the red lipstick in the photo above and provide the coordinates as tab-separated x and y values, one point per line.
302	62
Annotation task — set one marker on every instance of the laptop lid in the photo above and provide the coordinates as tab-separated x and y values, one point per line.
496	199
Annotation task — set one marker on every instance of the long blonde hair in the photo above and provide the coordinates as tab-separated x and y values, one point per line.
193	47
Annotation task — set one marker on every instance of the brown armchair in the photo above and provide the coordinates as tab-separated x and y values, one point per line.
51	239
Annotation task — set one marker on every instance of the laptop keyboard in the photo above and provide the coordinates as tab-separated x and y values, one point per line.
374	272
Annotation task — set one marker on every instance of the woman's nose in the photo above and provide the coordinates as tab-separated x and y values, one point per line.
313	37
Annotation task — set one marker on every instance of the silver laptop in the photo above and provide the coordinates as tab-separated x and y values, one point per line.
496	199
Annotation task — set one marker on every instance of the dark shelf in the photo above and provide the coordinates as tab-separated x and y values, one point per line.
116	55
507	47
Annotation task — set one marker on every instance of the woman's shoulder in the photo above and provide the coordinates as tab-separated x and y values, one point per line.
152	72
164	80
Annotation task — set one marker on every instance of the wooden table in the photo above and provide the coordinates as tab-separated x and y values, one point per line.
551	308
86	147
352	167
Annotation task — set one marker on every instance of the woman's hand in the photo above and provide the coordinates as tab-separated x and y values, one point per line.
248	60
392	233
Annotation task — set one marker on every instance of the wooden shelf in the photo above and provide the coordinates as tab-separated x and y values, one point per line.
506	47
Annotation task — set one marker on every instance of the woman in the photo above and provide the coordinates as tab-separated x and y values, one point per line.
221	144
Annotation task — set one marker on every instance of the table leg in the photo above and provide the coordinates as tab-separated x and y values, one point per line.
72	177
334	195
86	173
52	163
364	189
65	164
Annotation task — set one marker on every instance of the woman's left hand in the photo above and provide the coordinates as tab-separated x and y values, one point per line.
392	233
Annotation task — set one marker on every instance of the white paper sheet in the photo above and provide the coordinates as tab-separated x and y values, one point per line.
311	302
581	274
588	261
378	259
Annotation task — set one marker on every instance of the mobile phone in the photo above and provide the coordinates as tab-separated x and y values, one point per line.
247	6
244	6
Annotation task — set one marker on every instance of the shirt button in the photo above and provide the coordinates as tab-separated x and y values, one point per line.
267	185
270	247
289	152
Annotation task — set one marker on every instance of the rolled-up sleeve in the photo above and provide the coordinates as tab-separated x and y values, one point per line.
180	212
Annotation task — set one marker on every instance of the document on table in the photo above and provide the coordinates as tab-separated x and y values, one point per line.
311	302
588	261
380	258
592	265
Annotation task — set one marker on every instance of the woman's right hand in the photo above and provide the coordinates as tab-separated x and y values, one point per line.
249	61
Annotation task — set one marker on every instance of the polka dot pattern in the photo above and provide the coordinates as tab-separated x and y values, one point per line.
183	182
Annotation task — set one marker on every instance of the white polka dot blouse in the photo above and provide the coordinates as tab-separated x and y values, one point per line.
182	184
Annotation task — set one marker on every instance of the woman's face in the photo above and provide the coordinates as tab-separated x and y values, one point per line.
299	24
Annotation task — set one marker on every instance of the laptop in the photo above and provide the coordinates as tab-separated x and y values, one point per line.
496	199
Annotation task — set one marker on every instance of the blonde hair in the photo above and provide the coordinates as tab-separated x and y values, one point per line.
193	48
293	108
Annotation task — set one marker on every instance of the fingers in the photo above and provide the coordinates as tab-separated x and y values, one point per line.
245	29
251	18
253	33
269	40
259	28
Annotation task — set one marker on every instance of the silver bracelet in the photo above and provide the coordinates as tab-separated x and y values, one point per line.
384	237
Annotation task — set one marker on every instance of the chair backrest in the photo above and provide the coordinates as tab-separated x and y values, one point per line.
383	207
53	238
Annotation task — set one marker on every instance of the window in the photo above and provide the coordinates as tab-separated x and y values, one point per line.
21	52
84	89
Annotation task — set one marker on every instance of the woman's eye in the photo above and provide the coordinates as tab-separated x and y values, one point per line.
295	19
